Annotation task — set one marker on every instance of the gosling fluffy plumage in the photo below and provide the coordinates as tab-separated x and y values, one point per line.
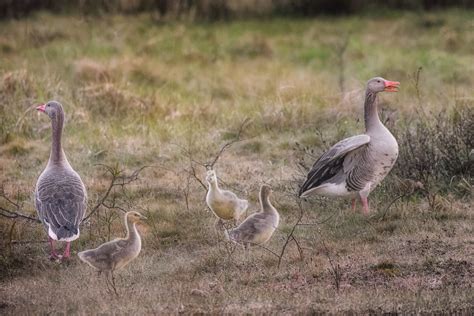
116	254
224	204
259	227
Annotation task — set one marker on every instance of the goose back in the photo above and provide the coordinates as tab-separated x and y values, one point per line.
60	200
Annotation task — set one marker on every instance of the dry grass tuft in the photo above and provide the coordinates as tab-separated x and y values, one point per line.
17	82
108	99
90	70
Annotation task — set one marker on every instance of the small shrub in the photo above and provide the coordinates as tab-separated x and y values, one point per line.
435	148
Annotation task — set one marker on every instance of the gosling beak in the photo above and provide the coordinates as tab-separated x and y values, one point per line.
143	217
391	86
41	107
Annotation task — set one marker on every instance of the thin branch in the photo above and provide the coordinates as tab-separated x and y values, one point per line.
270	251
12	214
117	180
335	269
236	139
195	176
187	152
191	169
340	50
17	213
391	203
29	241
291	236
318	223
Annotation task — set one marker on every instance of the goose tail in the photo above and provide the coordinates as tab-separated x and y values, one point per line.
244	204
226	234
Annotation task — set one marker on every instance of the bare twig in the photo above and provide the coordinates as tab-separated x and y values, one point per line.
13	214
340	50
193	163
335	269
391	203
118	179
318	223
236	139
17	212
195	176
291	236
270	251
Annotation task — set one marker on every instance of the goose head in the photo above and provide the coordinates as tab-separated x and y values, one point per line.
379	84
211	176
135	217
53	109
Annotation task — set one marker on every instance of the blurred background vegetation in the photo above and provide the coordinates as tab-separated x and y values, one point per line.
223	9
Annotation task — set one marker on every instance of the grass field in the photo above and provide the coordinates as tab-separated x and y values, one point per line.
139	92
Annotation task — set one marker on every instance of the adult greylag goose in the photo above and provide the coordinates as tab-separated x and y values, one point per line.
356	165
258	228
117	253
224	204
60	194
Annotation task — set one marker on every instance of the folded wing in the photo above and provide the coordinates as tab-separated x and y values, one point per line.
332	162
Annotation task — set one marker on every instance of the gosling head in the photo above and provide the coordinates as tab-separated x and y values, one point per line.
53	109
265	191
379	84
211	176
135	217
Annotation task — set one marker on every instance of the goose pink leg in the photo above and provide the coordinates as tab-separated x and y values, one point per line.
53	255
67	251
354	204
365	205
364	194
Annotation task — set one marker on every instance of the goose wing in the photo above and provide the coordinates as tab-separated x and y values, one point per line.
229	195
61	204
239	204
109	250
332	161
103	257
249	230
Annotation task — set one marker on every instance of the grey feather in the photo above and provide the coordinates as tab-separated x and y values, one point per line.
332	162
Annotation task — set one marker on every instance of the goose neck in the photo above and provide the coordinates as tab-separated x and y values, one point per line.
371	115
57	154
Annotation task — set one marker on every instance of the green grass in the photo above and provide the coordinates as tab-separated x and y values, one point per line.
133	89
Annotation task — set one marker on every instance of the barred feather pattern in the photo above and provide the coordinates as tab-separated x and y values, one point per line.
362	171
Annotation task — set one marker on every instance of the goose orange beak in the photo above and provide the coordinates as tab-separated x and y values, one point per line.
391	86
41	107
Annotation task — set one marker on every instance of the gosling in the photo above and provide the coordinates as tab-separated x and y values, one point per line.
116	254
259	227
224	204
